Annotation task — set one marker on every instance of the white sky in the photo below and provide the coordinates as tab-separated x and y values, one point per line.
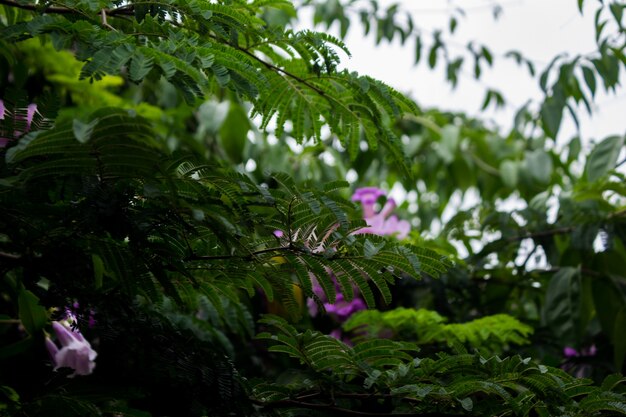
539	29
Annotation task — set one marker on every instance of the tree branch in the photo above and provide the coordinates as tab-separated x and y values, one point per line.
125	10
543	233
334	410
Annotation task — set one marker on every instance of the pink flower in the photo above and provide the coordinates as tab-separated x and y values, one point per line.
367	196
30	113
340	309
570	352
75	352
383	224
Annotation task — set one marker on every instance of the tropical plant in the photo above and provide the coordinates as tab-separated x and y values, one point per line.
147	227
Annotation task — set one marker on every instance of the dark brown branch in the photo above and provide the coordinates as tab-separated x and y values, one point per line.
126	10
285	72
331	409
251	255
8	255
543	233
34	7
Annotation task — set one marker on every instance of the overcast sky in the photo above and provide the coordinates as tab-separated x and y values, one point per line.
539	29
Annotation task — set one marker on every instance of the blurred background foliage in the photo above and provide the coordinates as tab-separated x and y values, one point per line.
150	183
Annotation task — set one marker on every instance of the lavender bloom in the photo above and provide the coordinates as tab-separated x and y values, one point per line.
75	352
383	224
576	362
340	309
367	196
570	352
344	309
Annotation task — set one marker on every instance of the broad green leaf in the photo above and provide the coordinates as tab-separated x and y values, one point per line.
467	404
561	311
619	338
449	142
603	157
234	131
539	165
16	348
617	9
608	302
509	172
552	114
32	315
574	148
211	116
590	79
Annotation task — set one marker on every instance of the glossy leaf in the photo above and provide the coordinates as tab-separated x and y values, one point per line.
603	157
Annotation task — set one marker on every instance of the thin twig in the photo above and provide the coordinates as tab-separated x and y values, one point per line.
334	410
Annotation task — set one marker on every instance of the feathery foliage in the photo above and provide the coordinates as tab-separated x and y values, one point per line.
491	333
385	375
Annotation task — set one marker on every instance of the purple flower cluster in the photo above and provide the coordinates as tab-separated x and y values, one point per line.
75	352
576	362
381	223
570	352
30	113
341	309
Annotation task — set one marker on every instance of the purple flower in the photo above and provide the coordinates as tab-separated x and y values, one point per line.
75	353
367	196
278	233
385	225
340	309
344	309
570	352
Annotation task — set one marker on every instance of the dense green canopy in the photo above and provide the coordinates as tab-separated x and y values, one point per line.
178	237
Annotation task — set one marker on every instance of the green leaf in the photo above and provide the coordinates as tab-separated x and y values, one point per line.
552	114
540	165
82	131
509	171
370	249
617	10
140	66
603	157
608	302
432	56
98	270
449	142
234	131
418	49
619	338
467	404
573	148
32	315
16	348
453	24
590	79
561	311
